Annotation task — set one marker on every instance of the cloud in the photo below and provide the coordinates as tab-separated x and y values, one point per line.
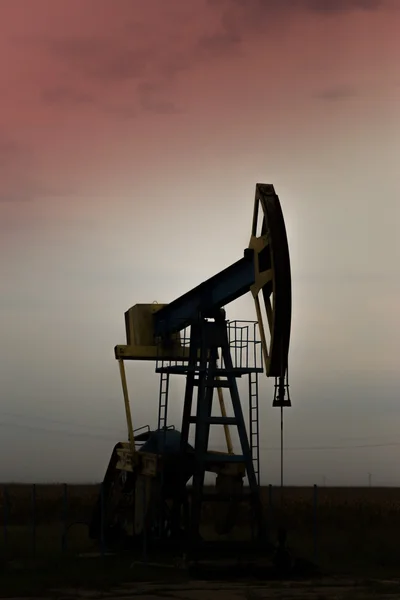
265	6
66	95
125	111
146	54
160	107
150	99
115	60
15	162
220	43
337	93
27	188
14	198
102	58
329	6
241	17
19	182
105	61
12	152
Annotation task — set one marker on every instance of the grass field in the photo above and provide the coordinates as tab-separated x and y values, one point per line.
352	530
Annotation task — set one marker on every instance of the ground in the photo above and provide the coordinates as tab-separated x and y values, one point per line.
350	532
111	578
329	590
324	589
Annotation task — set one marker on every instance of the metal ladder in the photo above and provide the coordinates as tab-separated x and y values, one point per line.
162	425
163	399
253	422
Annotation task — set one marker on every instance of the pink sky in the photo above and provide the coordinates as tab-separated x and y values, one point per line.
131	141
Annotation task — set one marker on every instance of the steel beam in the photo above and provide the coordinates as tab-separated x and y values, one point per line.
206	298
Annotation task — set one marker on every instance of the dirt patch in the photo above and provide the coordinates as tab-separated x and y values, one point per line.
200	590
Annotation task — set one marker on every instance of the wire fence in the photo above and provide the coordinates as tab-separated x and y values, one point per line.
40	520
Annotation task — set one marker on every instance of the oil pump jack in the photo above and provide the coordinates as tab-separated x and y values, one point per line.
145	492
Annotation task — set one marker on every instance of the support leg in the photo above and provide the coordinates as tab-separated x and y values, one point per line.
180	495
244	442
202	413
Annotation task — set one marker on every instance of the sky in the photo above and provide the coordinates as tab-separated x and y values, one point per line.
132	136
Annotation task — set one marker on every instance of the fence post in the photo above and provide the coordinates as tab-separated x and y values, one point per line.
315	528
5	517
145	521
34	519
102	519
65	518
270	507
